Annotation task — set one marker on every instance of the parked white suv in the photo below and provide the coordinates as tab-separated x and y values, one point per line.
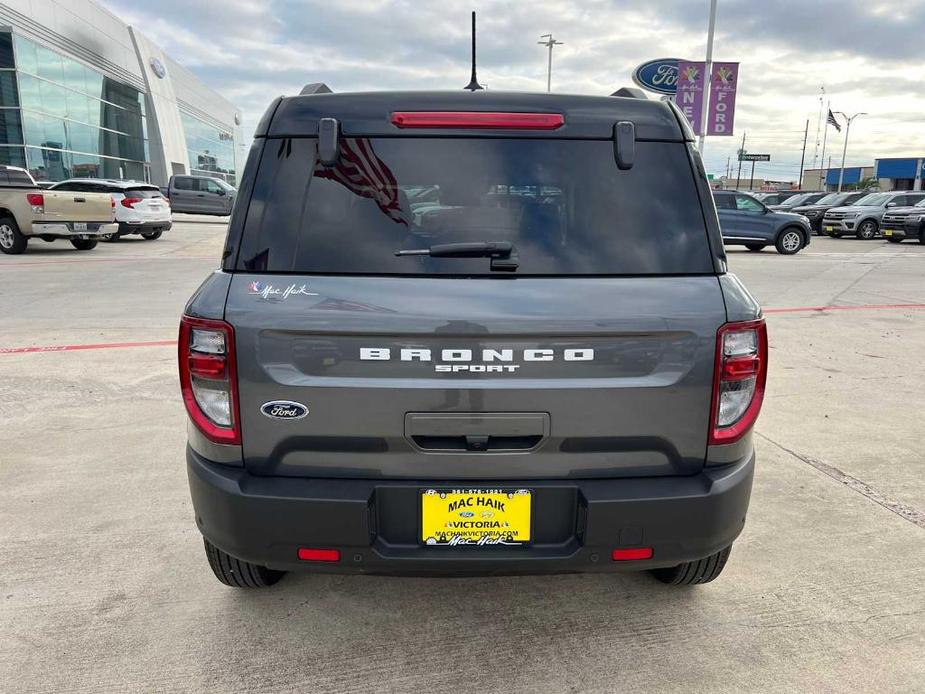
140	207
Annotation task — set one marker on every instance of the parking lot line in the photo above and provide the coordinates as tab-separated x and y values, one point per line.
74	348
857	307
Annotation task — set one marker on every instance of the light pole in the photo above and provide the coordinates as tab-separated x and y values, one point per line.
708	77
849	120
549	43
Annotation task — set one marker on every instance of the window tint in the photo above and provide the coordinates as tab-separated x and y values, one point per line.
725	202
745	203
143	192
18	178
210	186
184	183
563	204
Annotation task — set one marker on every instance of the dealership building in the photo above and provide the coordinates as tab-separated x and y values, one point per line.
891	173
82	94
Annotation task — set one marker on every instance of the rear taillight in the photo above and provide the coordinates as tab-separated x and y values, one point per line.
741	374
477	119
130	202
208	378
37	202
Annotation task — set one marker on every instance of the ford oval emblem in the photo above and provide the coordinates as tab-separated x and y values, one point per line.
660	75
284	409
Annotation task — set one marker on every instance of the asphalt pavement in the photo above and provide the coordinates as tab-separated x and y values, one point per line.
104	586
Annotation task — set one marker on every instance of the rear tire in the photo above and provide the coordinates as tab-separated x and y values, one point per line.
12	242
84	244
755	247
238	573
790	241
693	573
151	235
867	230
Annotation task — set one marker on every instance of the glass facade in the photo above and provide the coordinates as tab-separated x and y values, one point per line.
62	119
210	150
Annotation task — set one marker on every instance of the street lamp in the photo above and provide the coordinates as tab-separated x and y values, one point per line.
549	43
849	120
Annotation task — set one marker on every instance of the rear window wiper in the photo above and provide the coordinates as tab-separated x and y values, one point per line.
503	254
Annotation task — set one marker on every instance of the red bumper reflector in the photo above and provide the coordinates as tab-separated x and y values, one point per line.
631	553
477	119
314	554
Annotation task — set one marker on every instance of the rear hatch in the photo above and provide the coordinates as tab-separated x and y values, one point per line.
593	358
147	202
69	206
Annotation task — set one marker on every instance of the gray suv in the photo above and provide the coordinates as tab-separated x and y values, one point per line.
864	217
458	333
747	222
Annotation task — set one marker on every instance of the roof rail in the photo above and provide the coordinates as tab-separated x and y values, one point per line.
630	92
315	88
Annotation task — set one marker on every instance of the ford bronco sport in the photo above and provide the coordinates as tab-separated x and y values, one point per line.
456	333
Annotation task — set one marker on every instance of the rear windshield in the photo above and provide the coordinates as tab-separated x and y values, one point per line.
144	192
563	204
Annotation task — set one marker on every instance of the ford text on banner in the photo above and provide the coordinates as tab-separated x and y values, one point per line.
690	91
723	84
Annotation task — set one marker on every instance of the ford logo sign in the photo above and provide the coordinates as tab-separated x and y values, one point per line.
660	75
284	409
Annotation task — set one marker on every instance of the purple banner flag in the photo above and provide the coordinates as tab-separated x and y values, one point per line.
723	84
690	91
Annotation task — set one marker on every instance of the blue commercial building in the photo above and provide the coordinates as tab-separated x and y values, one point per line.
900	174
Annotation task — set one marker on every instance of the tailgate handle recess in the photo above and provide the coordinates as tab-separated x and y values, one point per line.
488	432
80	200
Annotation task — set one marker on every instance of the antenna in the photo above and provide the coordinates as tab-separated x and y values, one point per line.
473	83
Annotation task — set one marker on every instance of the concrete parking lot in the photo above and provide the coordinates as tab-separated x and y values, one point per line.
104	586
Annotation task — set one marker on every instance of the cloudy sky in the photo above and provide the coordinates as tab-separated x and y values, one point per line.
869	55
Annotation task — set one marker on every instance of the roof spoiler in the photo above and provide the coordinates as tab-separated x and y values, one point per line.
315	88
630	93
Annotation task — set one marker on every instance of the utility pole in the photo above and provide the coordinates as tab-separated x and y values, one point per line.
728	164
549	43
803	157
849	120
708	77
751	181
741	152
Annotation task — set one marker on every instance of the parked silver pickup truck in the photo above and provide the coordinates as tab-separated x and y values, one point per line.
28	211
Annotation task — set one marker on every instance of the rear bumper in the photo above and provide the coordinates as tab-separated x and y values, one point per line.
374	523
144	227
66	229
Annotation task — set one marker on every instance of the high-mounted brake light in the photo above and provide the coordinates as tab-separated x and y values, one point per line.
477	119
37	202
741	372
208	378
130	202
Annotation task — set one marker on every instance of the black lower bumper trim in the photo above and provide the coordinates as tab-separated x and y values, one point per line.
373	523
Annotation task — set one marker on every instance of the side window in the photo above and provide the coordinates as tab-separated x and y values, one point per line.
745	203
184	183
914	199
210	186
724	202
18	178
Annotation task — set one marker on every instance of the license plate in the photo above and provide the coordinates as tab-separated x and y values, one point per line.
830	228
887	232
475	517
80	226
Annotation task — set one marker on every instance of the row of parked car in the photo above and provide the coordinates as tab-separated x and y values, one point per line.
788	219
85	211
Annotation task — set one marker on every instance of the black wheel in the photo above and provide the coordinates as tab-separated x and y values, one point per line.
12	242
152	235
84	244
238	573
755	247
867	230
694	572
789	241
892	239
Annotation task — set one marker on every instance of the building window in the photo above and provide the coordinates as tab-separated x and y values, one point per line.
73	120
210	150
